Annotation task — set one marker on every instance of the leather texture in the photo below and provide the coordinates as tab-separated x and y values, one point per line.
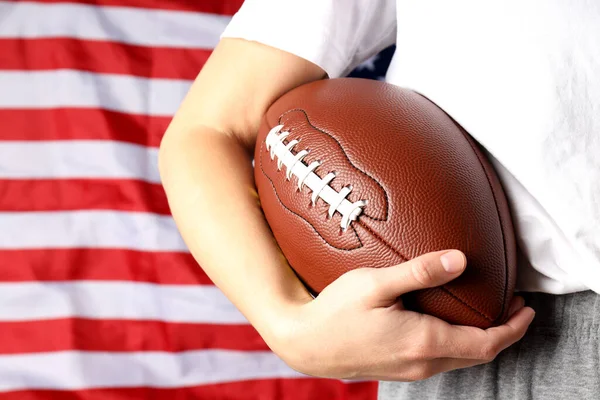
428	185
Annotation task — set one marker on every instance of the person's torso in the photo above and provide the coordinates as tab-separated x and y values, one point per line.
523	78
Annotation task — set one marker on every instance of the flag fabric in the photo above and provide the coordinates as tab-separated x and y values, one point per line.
99	297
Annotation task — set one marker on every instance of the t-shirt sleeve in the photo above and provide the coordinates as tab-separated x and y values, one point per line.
336	35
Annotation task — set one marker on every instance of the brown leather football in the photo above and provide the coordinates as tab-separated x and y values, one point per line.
356	173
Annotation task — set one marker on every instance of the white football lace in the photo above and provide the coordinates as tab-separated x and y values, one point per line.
306	175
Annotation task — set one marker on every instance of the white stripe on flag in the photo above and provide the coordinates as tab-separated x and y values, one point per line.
100	229
78	159
80	89
25	301
74	370
133	25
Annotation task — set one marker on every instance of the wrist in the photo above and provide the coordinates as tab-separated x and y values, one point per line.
291	333
277	322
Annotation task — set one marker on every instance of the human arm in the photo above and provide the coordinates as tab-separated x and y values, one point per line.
205	165
356	328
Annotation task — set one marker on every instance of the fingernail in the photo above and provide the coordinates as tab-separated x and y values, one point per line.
453	261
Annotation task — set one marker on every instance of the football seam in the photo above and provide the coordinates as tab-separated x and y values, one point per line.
442	287
485	171
445	289
387	203
304	219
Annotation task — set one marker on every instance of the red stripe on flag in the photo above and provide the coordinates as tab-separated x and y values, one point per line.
82	124
101	264
124	336
101	57
82	194
267	389
222	7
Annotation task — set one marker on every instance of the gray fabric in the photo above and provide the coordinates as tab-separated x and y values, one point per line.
559	358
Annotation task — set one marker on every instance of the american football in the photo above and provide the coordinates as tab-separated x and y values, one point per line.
356	173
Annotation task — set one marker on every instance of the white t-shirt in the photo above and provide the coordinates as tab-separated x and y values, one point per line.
521	76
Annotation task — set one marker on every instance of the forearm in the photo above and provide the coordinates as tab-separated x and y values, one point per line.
209	182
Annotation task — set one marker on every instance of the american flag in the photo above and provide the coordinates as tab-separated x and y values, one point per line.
99	297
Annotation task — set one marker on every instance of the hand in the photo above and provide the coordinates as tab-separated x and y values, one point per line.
357	329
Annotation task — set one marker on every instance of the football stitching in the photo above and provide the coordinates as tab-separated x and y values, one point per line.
304	172
300	216
387	203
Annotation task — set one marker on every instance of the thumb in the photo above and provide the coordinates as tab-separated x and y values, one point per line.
426	271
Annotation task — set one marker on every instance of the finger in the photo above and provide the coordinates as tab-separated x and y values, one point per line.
473	343
514	329
428	270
